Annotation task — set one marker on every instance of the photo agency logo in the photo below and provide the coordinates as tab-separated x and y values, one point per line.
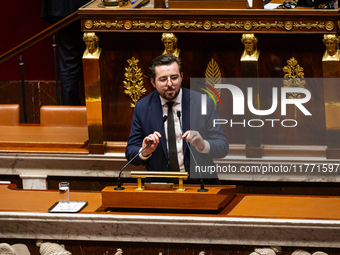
212	93
296	96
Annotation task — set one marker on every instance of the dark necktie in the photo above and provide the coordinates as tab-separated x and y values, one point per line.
173	159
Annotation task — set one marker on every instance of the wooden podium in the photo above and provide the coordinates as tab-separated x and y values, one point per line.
217	198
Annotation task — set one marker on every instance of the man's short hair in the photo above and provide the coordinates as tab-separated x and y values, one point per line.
166	59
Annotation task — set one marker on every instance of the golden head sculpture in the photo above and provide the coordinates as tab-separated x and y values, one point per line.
331	42
250	44
170	44
92	43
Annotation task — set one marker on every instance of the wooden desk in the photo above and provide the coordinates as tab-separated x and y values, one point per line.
249	220
245	206
287	207
39	201
44	139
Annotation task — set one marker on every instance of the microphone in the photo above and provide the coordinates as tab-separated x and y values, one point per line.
119	185
202	189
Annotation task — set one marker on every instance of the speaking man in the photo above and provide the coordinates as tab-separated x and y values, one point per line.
169	151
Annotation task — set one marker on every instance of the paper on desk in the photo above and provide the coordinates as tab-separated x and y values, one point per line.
268	6
74	206
271	6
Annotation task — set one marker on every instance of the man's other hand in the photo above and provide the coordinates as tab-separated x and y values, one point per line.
194	138
152	147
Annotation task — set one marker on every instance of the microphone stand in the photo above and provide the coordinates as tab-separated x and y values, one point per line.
119	185
202	189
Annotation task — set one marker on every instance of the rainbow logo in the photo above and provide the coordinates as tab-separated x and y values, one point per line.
212	93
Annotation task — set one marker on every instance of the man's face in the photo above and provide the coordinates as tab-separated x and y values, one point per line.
168	81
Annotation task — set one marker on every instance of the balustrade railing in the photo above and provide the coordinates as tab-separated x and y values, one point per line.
30	42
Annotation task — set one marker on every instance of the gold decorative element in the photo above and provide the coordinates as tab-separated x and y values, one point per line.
128	25
213	76
160	174
167	24
331	42
250	69
268	25
288	25
331	91
93	95
309	26
250	47
94	107
187	25
293	69
247	25
92	45
156	25
207	25
134	81
88	24
329	25
100	24
293	72
227	25
170	44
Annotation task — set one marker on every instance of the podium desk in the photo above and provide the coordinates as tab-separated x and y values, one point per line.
248	220
203	35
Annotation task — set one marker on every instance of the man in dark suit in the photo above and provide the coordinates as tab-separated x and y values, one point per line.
70	44
206	142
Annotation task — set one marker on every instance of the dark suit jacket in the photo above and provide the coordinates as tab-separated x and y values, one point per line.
55	10
148	117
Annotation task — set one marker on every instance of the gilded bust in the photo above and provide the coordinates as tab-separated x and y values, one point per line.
170	44
331	42
92	45
250	47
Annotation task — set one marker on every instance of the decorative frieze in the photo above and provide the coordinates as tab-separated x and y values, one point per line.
208	25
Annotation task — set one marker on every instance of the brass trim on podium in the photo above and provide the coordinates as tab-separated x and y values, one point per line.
249	69
149	174
91	60
331	69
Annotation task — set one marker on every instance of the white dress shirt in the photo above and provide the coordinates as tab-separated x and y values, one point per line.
179	141
178	130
